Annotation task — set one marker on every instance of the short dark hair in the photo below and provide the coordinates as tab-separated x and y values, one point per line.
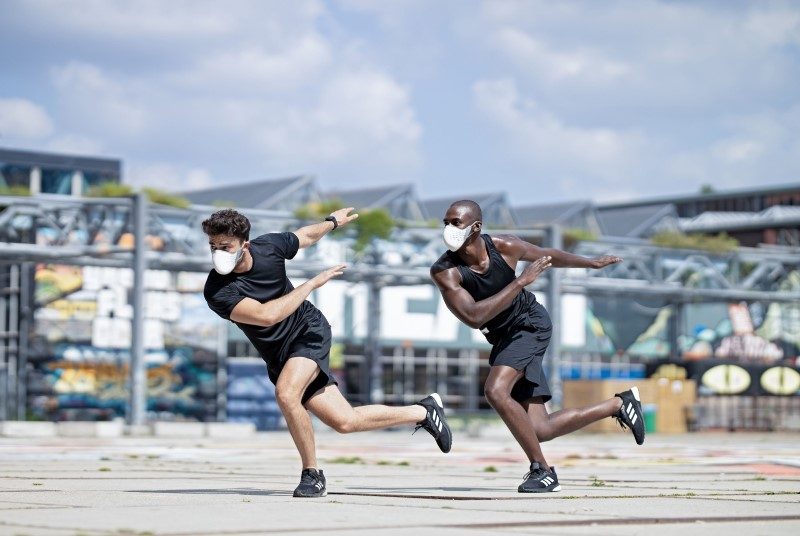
473	208
227	222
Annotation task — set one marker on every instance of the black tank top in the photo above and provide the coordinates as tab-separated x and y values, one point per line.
496	278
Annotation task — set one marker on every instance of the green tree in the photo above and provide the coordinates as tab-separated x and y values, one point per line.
706	189
372	224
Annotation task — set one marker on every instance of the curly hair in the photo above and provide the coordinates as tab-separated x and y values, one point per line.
227	222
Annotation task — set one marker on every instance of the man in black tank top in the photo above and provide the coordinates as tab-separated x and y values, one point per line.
478	282
249	287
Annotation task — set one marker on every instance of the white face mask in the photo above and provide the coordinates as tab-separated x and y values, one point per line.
454	237
225	262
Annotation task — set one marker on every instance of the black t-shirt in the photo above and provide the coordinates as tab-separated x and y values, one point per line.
265	281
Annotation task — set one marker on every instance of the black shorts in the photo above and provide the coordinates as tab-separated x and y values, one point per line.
522	347
312	341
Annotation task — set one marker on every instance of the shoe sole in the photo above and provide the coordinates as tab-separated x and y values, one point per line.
323	494
557	488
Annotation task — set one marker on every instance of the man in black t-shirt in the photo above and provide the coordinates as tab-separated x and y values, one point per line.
249	287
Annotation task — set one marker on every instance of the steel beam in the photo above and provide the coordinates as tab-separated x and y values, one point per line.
138	380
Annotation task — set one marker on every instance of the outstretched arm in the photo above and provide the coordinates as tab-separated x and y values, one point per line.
269	313
519	249
311	234
477	313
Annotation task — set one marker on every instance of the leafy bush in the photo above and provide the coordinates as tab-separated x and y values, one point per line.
110	189
572	236
15	190
165	198
721	243
116	189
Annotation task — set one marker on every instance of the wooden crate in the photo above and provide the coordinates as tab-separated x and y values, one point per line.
578	393
671	398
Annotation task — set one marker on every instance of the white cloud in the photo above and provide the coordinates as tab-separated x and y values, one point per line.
95	100
75	144
255	70
167	176
24	120
543	141
541	60
139	20
363	117
737	150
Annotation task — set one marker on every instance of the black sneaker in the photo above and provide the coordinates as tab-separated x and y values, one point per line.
312	484
539	480
630	414
435	422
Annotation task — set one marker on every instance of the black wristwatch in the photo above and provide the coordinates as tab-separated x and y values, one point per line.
333	219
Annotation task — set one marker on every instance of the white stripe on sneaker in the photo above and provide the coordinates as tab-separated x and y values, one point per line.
634	418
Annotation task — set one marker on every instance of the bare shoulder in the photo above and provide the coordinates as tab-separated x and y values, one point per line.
443	269
506	243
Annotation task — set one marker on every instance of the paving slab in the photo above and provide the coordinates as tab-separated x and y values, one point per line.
384	483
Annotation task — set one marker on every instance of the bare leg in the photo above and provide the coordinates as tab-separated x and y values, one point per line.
498	392
331	407
296	376
565	421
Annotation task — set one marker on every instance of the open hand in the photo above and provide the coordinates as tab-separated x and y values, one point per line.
343	216
604	260
534	269
326	275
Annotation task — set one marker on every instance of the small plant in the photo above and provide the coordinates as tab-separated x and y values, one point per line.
347	460
596	482
490	469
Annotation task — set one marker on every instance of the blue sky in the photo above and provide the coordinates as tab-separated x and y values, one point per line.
548	101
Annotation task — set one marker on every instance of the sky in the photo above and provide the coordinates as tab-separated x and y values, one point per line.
547	101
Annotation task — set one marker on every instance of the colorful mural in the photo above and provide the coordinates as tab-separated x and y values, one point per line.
83	339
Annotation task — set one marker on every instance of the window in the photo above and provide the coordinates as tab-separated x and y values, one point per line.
12	175
57	181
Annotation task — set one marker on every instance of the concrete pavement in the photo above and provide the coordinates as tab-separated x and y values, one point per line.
387	483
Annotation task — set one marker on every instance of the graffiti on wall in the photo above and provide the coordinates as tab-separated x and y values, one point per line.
83	330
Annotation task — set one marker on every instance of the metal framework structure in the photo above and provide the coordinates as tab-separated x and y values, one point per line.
132	233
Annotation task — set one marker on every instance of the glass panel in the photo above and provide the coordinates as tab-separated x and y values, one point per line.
14	175
57	181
